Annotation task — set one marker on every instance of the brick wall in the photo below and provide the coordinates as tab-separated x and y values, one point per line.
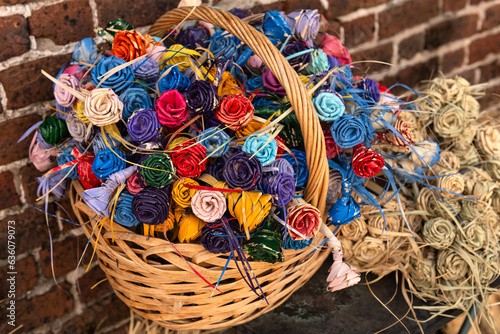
421	38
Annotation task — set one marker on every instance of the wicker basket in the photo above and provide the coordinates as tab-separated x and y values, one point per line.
172	294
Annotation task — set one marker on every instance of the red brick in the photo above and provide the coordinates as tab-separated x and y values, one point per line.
339	8
11	131
380	53
469	75
359	31
40	310
450	30
260	8
490	71
25	269
87	281
413	75
136	12
105	313
24	84
63	22
453	5
475	2
14	36
399	17
8	192
14	2
31	231
492	97
481	47
66	254
291	5
452	60
491	17
412	45
29	174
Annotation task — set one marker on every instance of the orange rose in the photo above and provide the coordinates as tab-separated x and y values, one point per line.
129	45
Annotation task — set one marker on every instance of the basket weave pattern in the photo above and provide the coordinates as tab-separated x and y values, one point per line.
172	294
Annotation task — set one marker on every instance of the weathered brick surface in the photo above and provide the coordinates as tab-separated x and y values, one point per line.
14	2
412	45
87	281
490	71
66	254
452	60
412	75
8	192
453	5
399	17
381	52
491	17
339	8
359	31
31	231
136	12
14	36
11	131
25	269
43	309
450	30
491	98
481	47
468	75
475	2
106	312
63	22
24	84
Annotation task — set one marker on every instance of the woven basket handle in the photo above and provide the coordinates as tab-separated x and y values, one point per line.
314	141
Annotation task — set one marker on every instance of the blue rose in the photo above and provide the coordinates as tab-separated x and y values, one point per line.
98	143
86	52
119	81
342	79
222	46
348	131
146	70
215	141
108	162
275	26
66	157
134	99
299	166
254	84
123	211
264	148
171	78
329	106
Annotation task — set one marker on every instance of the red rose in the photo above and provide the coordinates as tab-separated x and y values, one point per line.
235	111
171	109
281	146
87	177
332	149
405	132
304	219
128	45
186	158
366	162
